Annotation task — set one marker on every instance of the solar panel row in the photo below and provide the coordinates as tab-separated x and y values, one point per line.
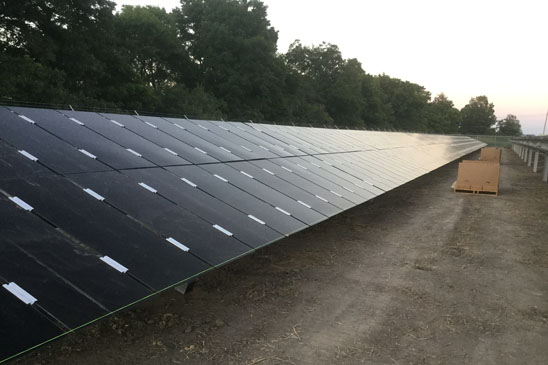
101	210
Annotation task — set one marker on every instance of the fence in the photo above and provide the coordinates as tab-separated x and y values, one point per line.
494	141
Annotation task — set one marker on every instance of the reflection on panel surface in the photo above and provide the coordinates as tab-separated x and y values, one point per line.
101	210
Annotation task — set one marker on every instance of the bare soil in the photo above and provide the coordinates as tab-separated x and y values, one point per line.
419	275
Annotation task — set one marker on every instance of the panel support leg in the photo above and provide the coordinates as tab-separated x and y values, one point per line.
535	162
545	171
185	287
530	158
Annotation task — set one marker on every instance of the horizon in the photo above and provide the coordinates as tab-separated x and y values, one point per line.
429	47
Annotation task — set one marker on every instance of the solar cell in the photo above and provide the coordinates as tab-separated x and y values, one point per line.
160	138
46	148
23	326
183	130
74	261
130	141
62	299
164	216
84	139
218	185
246	182
15	162
313	187
186	192
293	191
242	143
147	255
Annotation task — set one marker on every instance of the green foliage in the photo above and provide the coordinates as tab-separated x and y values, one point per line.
23	78
442	116
150	43
478	116
509	126
194	102
207	59
406	103
234	47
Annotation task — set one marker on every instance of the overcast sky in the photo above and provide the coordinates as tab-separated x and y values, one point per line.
463	48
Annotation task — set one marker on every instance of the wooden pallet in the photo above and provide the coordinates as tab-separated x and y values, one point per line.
478	177
478	192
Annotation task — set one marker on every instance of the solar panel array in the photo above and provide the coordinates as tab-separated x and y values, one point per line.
101	210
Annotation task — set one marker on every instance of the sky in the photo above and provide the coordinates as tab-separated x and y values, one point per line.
462	48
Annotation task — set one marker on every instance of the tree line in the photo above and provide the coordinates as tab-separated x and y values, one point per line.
209	59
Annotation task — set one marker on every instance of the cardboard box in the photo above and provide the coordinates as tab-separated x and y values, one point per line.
478	177
491	154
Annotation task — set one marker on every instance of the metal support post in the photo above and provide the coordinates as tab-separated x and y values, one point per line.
184	287
545	172
530	158
535	163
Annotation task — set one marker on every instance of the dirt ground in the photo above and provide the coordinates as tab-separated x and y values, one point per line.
419	275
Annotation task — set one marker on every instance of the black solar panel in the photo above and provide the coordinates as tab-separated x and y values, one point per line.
99	211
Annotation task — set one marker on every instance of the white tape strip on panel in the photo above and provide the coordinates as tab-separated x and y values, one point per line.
20	293
323	199
76	121
283	211
227	232
21	203
220	178
115	264
28	155
256	219
149	188
189	182
170	151
303	203
90	155
94	194
134	152
200	150
27	119
177	244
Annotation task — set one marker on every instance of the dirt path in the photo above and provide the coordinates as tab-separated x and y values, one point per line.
420	275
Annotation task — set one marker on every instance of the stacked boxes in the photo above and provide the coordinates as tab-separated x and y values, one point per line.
491	154
480	177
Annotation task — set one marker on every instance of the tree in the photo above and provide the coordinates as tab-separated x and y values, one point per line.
234	47
69	38
344	98
478	116
333	84
442	116
406	103
509	126
148	36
